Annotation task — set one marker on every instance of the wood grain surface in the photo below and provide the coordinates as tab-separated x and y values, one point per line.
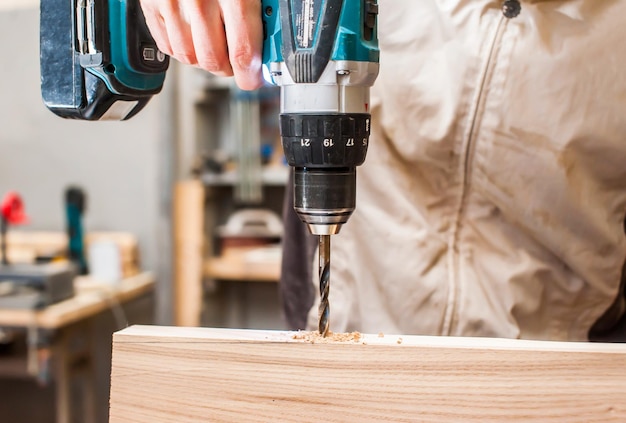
194	375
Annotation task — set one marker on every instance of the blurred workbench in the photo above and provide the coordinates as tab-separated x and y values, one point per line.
90	298
56	344
60	341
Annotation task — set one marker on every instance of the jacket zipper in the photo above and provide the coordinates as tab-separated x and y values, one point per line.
468	152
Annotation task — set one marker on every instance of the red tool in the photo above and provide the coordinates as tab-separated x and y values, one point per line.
11	213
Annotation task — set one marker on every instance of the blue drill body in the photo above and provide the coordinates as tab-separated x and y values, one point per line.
349	41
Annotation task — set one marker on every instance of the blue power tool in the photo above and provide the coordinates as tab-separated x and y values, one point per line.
324	55
98	60
75	205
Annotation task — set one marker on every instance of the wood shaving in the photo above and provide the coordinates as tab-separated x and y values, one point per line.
399	341
314	337
381	335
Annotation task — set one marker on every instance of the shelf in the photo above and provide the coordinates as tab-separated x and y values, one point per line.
271	176
259	264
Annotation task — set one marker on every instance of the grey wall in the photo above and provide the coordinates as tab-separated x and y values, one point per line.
117	163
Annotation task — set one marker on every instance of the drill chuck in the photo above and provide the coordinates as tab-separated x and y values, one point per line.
324	150
324	198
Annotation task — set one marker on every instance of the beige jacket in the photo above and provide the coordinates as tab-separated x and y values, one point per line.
492	200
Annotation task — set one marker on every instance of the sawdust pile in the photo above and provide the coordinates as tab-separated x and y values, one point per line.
314	337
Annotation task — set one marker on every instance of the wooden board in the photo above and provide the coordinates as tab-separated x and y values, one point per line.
193	375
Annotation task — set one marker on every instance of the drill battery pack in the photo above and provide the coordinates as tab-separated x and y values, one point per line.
98	60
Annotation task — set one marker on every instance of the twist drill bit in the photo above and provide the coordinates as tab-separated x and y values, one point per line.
324	261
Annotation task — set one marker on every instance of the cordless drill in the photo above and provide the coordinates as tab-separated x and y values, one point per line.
324	55
98	61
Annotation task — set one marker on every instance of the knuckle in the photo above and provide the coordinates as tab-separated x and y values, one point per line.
242	57
213	65
186	57
209	65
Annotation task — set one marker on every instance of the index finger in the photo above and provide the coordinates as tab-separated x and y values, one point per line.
244	36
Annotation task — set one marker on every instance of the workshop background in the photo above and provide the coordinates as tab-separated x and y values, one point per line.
168	178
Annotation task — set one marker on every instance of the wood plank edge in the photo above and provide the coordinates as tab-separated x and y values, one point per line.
169	334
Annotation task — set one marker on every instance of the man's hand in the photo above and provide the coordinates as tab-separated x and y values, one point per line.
223	37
